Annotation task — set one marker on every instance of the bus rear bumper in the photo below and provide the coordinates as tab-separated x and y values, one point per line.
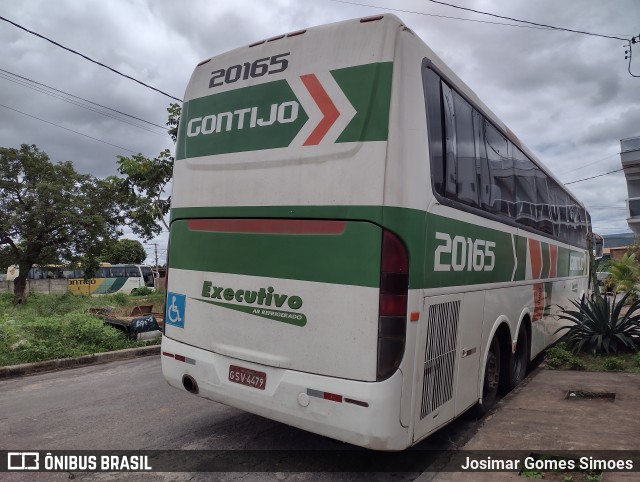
361	413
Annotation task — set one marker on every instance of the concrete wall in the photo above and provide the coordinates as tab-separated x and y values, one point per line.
38	285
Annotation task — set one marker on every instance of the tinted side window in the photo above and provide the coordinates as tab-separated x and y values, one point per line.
501	196
544	202
473	162
467	179
117	271
132	271
451	174
434	125
525	183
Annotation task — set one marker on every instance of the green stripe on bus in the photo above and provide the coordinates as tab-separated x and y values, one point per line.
264	116
563	261
350	258
269	115
521	255
368	88
110	285
416	228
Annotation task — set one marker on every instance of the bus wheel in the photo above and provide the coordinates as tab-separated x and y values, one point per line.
520	359
491	379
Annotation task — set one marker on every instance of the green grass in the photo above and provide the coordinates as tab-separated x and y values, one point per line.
60	326
559	357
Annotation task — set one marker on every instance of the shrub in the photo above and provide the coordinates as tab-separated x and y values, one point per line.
142	291
556	356
613	364
576	364
598	326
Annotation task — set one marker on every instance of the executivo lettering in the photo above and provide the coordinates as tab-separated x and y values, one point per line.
245	301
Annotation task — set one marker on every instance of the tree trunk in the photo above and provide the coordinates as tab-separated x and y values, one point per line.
20	288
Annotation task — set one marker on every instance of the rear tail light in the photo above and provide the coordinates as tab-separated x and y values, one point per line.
394	290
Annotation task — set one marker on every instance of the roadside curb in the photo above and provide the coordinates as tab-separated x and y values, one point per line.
14	371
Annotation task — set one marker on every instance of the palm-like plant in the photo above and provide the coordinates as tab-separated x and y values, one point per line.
600	327
625	273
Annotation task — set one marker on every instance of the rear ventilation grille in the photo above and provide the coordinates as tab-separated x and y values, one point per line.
440	356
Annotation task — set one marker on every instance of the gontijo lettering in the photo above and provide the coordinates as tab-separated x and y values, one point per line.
280	113
261	297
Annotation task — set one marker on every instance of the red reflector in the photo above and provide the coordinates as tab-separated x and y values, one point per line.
179	358
371	19
275	38
268	226
415	315
166	353
333	397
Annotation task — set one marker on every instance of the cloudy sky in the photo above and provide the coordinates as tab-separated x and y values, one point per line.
569	97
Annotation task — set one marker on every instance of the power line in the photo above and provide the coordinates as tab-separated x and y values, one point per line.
67	129
436	15
593	177
88	58
528	22
78	104
82	98
586	165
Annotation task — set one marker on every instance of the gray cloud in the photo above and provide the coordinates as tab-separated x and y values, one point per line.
568	97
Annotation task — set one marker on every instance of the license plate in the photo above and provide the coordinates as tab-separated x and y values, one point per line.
245	376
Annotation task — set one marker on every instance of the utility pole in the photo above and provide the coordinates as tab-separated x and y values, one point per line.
155	248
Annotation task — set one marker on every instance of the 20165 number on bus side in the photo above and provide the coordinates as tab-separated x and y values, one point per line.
359	247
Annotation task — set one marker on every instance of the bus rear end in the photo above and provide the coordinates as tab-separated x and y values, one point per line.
287	292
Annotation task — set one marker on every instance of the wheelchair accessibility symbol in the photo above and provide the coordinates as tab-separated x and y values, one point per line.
175	309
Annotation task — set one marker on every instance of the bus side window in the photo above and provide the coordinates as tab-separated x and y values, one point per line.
501	171
482	165
117	271
102	272
450	171
433	99
544	202
467	178
133	271
525	183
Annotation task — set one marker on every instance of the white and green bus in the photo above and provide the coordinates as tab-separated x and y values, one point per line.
359	247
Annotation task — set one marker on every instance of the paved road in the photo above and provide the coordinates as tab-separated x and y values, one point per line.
127	405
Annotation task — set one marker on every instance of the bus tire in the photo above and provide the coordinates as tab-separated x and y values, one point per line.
519	359
491	380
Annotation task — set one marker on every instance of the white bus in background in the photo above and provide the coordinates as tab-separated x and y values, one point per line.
359	247
109	279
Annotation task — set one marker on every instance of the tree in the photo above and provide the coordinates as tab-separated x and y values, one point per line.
50	212
124	251
146	179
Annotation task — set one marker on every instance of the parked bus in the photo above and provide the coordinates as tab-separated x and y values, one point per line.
359	247
116	278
